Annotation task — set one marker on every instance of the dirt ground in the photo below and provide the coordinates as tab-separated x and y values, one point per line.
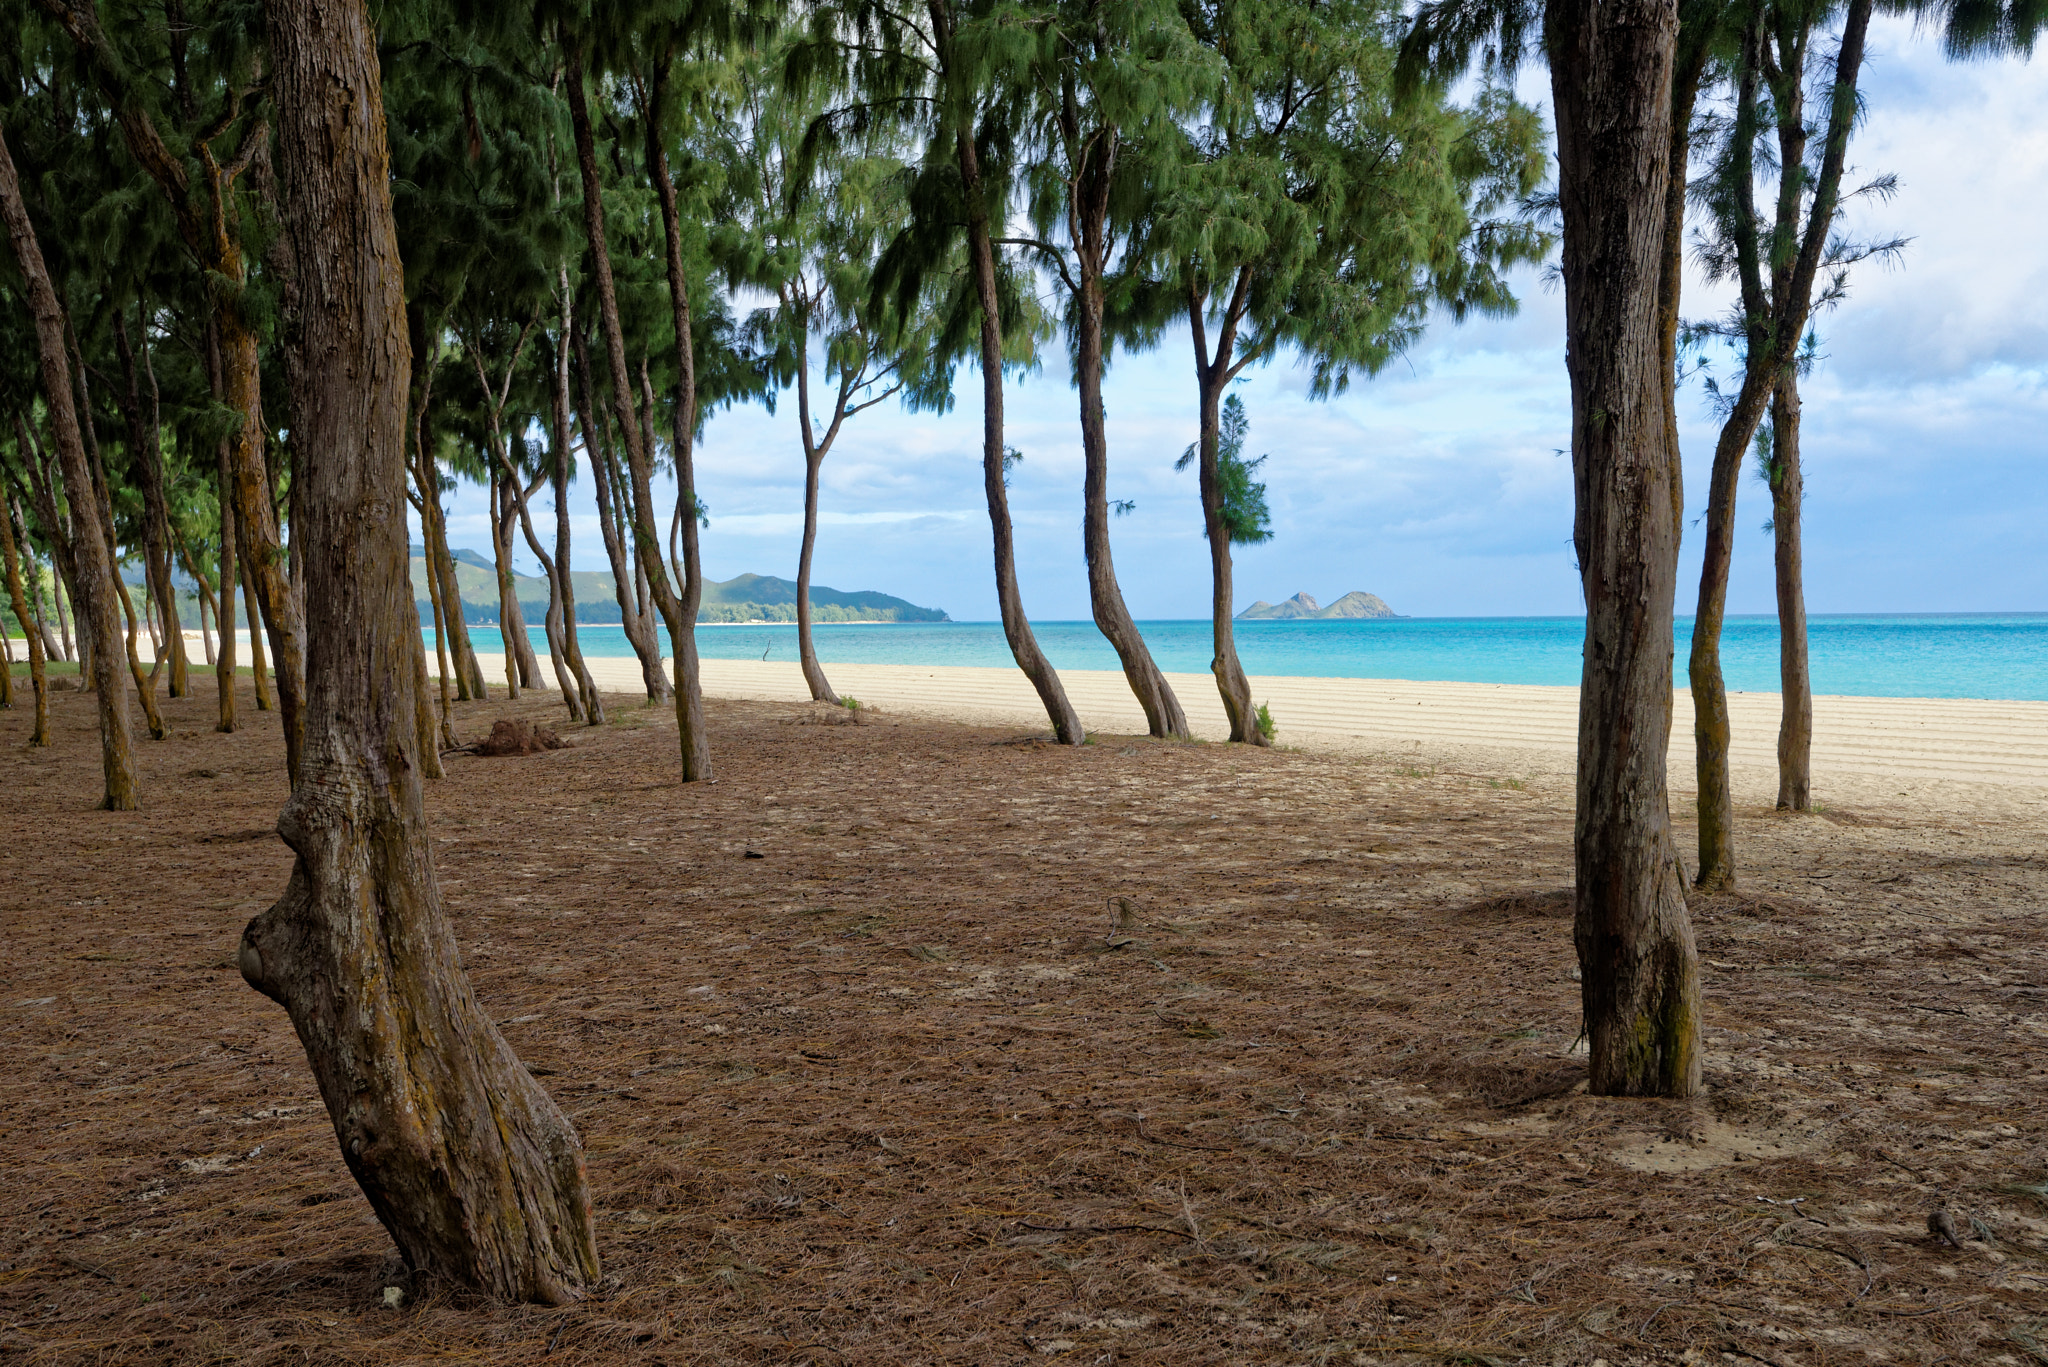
869	1070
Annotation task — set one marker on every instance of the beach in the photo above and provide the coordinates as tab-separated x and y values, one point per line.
1974	755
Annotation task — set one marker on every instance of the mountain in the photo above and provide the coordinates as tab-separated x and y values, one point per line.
747	598
1353	606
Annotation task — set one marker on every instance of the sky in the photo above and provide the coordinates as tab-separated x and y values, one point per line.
1444	484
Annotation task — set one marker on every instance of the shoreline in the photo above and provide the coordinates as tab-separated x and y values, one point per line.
1988	757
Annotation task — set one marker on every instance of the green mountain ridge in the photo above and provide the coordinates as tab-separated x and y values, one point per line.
744	598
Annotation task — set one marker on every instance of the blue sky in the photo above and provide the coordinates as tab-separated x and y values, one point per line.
1439	485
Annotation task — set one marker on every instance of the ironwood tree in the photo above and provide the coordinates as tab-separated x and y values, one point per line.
468	1163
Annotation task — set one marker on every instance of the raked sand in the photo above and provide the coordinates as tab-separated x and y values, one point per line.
1960	754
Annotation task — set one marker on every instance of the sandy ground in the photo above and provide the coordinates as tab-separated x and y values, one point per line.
1985	756
868	1070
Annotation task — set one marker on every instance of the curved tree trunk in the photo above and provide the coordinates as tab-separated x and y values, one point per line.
1163	715
807	653
97	612
1788	491
103	506
1231	684
465	1159
224	616
1066	722
1611	68
259	665
17	597
654	580
156	538
639	631
558	435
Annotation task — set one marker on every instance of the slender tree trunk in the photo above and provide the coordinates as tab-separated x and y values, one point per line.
1213	375
695	738
558	436
1611	68
426	473
465	1159
259	666
639	631
556	655
203	592
96	601
17	597
807	652
511	616
224	482
448	741
1788	491
1066	722
1163	715
143	430
74	642
508	597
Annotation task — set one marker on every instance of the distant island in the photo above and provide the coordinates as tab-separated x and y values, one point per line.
1353	606
746	598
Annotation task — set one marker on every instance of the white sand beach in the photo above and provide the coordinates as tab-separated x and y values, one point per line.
1965	754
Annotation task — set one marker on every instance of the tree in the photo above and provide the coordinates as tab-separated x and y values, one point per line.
1110	85
939	76
1241	514
813	243
1313	210
1776	263
18	600
94	573
1614	84
468	1163
200	190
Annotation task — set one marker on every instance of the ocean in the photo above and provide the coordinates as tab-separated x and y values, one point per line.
1981	655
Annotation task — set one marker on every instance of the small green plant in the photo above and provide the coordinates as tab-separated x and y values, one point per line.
851	703
1263	719
1514	784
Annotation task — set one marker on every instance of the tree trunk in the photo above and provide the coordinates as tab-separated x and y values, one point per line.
472	1169
59	607
1788	492
1213	375
512	617
143	428
258	665
17	597
639	631
558	436
448	740
695	738
1066	722
508	596
1163	715
807	653
103	507
556	654
1611	68
224	620
95	585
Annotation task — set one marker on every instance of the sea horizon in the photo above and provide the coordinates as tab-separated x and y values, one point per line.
1995	656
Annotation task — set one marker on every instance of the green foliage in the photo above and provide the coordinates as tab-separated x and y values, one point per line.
1263	718
1244	499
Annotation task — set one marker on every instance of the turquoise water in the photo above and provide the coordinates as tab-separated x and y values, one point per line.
1988	655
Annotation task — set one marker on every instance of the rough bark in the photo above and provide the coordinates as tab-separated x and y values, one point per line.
1066	722
472	1169
1611	68
227	578
17	596
1788	491
98	614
